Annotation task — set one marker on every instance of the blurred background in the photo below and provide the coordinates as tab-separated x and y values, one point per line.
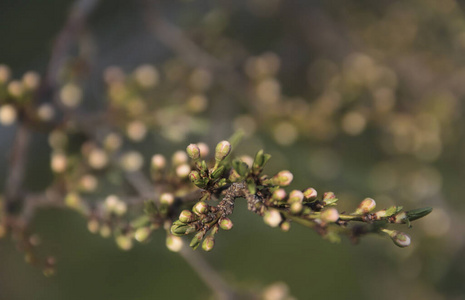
362	98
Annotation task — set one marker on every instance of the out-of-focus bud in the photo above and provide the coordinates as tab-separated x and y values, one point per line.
4	73
146	76
366	206
105	231
142	234
132	161
204	149
71	95
93	225
182	171
97	159
380	214
31	80
179	158
208	243
136	131
58	162
167	199
7	114
187	216
200	208
193	151
399	238
73	200
272	217
295	196
285	226
296	207
283	178
226	224
329	198
222	150
46	112
174	243
278	195
330	215
15	89
158	162
310	193
124	242
88	183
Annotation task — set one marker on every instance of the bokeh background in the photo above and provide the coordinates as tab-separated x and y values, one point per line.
362	98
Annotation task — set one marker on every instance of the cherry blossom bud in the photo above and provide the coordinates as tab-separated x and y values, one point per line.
295	196
193	151
365	206
222	150
310	193
283	178
167	199
200	208
174	243
226	224
272	217
330	215
208	243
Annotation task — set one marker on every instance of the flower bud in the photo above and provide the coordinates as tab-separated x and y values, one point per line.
272	217
158	162
222	150
167	199
208	243
365	206
296	207
7	114
179	158
142	234
200	208
310	193
183	170
285	226
226	224
193	151
329	198
330	215
283	178
399	238
174	243
93	225
187	216
124	242
295	196
194	176
279	195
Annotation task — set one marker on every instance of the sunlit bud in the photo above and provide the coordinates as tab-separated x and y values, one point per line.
204	149
58	162
399	238
174	243
329	215
194	176
226	224
179	158
272	217
167	198
208	243
283	178
88	183
113	141
132	161
285	226
121	208
295	196
4	74
46	112
310	193
97	159
146	76
71	95
93	225
400	218
142	234
15	88
183	170
187	216
329	198
222	150
200	208
73	200
365	206
105	231
296	207
158	162
31	80
193	151
7	114
124	242
279	195
136	131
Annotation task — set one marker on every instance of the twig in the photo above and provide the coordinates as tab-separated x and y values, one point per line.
209	275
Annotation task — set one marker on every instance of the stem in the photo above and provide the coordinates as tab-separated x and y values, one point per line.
209	275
